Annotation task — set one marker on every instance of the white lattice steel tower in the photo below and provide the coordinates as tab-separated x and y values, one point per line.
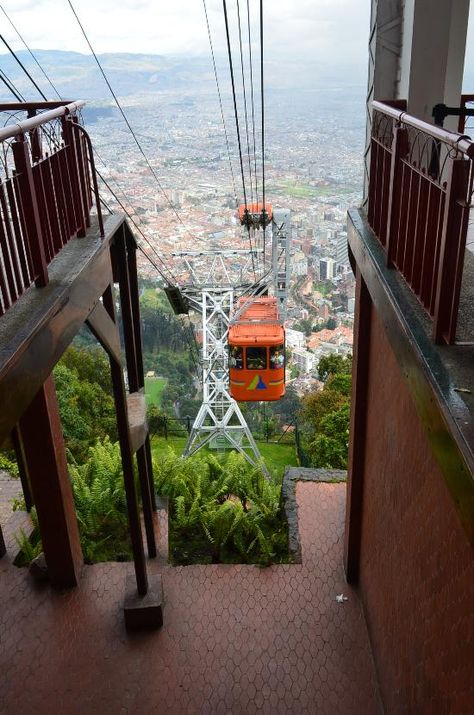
220	422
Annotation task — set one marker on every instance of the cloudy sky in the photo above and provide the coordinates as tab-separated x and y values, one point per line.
300	35
318	30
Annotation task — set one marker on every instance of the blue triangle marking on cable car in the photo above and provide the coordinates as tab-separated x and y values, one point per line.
260	385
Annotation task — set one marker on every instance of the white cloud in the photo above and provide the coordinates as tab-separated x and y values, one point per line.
303	30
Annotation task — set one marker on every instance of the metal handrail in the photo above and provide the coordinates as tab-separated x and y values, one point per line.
28	125
461	142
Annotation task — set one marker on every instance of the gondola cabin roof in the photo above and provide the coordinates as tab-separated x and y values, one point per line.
258	324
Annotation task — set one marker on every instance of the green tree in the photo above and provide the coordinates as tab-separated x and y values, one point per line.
317	405
157	420
288	407
324	418
86	406
334	364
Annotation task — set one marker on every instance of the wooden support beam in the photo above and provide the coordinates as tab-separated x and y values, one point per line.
45	456
124	249
36	331
131	248
127	461
105	330
137	419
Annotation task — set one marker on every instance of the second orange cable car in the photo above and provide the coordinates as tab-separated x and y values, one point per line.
257	352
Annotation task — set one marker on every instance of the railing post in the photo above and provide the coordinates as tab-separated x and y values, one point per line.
35	139
76	188
399	150
453	243
31	216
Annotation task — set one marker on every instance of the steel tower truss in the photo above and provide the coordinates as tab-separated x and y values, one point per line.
220	422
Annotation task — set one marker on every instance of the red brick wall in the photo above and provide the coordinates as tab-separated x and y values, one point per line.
416	568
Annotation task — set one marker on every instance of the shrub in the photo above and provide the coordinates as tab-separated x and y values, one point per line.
221	512
101	507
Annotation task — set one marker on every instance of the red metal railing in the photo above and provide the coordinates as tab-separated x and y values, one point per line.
420	189
47	181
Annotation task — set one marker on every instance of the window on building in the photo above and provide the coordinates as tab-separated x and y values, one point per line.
256	358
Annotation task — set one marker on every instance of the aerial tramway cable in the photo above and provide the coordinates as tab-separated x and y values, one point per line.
244	89
237	125
30	52
20	97
263	126
23	68
252	101
220	103
11	87
125	118
236	114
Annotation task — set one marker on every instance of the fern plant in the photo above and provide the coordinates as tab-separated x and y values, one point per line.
221	511
101	507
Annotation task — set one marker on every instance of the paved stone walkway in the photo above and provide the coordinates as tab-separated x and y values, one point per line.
236	639
9	489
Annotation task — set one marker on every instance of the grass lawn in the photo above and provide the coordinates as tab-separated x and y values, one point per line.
275	456
302	191
154	386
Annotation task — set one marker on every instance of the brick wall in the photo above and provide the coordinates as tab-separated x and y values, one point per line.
416	567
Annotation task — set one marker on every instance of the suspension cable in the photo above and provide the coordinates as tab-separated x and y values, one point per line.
263	127
125	118
253	103
23	68
138	228
238	127
11	87
245	99
231	68
31	53
220	102
191	341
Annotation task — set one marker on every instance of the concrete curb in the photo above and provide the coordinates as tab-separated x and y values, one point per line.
290	506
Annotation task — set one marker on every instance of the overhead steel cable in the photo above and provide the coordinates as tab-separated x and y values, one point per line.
236	114
125	118
191	341
12	52
252	102
244	89
263	128
30	52
138	228
11	87
237	126
192	344
130	217
220	103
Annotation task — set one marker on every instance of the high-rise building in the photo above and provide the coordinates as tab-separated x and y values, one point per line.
327	269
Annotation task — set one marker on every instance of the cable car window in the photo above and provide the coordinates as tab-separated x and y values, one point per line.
236	357
256	358
277	356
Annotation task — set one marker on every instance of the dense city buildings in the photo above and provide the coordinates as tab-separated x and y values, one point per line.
313	167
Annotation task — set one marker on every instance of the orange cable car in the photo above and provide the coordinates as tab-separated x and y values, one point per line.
253	215
257	352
